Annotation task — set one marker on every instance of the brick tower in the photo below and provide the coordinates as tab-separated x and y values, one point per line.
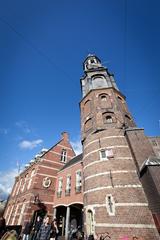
114	199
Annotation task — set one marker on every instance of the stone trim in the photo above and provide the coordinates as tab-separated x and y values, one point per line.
116	186
60	154
97	140
117	225
46	175
104	160
108	172
47	160
119	205
48	167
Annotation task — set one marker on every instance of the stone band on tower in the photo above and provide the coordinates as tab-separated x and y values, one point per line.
114	199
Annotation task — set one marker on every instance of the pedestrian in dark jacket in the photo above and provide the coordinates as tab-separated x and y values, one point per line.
26	231
44	231
36	227
2	226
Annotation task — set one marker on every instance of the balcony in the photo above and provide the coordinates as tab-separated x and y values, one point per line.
59	194
78	189
67	192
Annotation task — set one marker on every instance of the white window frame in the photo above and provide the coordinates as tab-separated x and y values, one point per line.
78	178
64	155
15	214
30	180
108	153
21	213
60	186
15	188
68	182
20	182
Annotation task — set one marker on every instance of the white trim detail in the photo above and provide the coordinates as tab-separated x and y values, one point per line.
59	153
48	160
65	147
131	204
118	205
97	140
46	175
69	167
99	161
57	169
117	225
116	186
106	147
107	173
66	205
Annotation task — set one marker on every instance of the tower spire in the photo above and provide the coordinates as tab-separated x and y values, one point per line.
96	75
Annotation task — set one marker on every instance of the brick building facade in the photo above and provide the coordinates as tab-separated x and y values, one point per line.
112	187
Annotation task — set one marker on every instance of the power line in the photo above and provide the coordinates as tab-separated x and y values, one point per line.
39	51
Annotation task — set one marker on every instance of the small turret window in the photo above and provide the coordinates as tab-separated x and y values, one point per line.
103	98
88	124
87	107
108	117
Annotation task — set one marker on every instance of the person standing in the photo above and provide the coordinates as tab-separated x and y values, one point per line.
54	230
44	231
26	231
36	227
2	226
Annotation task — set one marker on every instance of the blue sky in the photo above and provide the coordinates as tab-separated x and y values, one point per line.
43	45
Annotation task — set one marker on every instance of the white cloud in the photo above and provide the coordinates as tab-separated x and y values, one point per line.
77	146
4	131
25	144
23	125
7	179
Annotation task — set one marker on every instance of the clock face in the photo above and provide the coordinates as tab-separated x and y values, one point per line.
46	182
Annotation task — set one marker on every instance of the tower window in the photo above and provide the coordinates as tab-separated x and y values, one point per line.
110	205
64	155
88	124
106	153
104	98
109	119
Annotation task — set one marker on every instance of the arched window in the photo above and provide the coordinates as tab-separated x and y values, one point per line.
87	107
88	124
90	222
108	117
98	81
105	101
128	120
